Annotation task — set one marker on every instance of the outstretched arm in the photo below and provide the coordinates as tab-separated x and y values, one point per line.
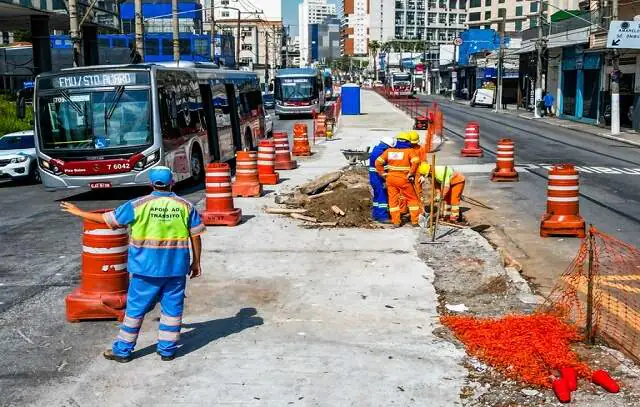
75	211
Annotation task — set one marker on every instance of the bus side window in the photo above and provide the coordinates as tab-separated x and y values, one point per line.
168	113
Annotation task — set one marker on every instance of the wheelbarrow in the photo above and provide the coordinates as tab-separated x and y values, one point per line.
355	157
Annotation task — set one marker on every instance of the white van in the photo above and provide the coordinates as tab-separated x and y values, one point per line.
482	97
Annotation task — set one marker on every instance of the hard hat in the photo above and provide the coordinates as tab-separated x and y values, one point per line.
424	168
390	141
414	137
402	136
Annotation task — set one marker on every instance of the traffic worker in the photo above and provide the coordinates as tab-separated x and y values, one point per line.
380	205
161	226
449	184
402	164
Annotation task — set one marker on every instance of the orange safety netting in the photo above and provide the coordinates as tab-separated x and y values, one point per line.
527	348
615	278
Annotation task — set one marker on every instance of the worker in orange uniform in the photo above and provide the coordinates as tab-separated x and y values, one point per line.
414	139
449	184
402	163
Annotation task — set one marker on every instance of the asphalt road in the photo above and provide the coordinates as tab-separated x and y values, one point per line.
608	200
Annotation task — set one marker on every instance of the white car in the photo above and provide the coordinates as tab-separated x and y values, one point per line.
18	159
268	124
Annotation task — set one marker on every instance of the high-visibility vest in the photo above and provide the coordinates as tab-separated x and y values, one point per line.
401	161
161	222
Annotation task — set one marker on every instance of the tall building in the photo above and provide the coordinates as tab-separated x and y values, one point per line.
518	15
324	40
261	30
311	12
355	27
434	21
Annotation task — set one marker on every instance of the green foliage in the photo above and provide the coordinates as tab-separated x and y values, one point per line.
22	36
9	121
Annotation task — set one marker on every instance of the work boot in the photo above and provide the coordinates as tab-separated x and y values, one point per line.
166	358
109	355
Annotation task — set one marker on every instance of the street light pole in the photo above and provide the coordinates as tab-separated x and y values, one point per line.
615	81
453	72
176	30
212	20
539	46
500	67
139	28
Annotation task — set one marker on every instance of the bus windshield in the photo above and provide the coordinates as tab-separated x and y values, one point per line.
95	120
296	89
401	78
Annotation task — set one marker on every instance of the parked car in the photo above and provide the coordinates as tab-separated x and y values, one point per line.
268	125
18	160
268	101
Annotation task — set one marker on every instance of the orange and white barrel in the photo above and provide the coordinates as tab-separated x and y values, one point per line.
247	183
219	209
471	141
267	163
563	203
300	140
505	162
283	155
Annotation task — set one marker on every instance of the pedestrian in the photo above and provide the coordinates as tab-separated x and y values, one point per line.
548	104
380	202
401	165
161	226
449	185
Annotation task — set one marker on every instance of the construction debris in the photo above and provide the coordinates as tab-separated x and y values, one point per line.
318	185
284	211
302	217
337	210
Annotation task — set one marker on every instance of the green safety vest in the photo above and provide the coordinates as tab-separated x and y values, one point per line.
443	174
161	222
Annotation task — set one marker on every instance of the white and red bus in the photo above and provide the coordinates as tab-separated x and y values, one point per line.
400	84
107	126
299	91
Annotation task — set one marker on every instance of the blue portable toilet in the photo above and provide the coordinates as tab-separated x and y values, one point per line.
350	94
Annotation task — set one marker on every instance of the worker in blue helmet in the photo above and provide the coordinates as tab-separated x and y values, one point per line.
380	202
161	226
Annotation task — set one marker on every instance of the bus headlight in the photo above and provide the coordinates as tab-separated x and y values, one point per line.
147	161
52	166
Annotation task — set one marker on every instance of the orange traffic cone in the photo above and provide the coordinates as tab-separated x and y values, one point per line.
283	156
267	163
472	141
104	278
300	140
246	183
505	168
219	201
563	204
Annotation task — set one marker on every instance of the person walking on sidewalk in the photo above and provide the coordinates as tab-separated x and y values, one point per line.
380	202
402	164
449	185
548	104
161	226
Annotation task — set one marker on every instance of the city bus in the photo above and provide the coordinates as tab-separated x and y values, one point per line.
400	84
298	91
107	126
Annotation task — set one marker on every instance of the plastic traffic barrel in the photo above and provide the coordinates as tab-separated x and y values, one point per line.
300	140
505	163
267	163
563	206
471	141
102	293
283	155
246	183
219	209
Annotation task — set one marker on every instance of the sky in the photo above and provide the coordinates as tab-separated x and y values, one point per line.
290	13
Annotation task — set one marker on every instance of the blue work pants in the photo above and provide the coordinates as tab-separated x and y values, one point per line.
380	204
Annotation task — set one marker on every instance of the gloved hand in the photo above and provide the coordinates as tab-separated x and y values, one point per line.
421	179
411	178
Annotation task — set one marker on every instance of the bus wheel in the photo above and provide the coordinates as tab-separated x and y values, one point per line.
197	166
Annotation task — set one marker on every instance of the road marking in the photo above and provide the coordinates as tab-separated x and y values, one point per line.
486	168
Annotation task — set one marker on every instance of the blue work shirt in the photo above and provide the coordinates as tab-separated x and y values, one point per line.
548	99
161	225
375	153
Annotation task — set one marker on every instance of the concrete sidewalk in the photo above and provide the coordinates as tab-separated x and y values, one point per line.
291	316
627	136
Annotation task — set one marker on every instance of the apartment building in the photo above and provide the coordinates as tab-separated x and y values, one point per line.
355	27
435	21
311	12
518	15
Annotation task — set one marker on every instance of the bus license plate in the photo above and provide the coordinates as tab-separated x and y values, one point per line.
99	185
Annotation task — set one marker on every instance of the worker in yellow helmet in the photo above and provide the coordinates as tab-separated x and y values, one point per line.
449	184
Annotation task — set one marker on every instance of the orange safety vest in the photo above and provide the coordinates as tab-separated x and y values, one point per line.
399	161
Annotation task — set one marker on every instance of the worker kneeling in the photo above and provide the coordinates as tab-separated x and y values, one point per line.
380	205
402	164
449	184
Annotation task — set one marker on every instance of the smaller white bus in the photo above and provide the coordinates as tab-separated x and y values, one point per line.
299	91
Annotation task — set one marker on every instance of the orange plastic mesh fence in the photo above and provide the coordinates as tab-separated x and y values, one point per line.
527	348
615	274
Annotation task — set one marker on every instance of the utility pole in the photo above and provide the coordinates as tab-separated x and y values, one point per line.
286	48
500	67
453	72
540	46
615	80
74	31
176	30
212	32
139	28
238	41
266	57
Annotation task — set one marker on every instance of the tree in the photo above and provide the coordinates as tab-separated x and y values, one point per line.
374	47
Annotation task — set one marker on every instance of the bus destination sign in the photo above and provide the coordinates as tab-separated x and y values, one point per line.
96	80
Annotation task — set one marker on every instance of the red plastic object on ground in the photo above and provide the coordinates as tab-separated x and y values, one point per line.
602	379
472	141
563	209
283	155
570	376
267	174
104	278
246	183
561	390
219	201
505	162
